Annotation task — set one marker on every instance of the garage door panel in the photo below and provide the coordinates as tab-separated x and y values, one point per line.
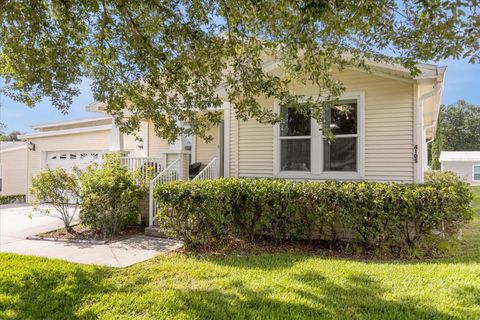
70	159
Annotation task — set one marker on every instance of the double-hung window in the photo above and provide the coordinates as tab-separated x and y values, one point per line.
341	154
476	173
303	151
295	140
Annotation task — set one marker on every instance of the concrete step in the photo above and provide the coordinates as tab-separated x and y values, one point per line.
154	231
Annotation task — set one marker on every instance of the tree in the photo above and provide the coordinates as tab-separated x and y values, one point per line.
12	136
3	126
437	145
165	60
460	127
61	190
111	196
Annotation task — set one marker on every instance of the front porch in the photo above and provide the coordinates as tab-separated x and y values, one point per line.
188	158
171	167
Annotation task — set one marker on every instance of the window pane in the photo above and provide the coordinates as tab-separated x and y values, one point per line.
294	123
295	155
340	155
476	173
343	117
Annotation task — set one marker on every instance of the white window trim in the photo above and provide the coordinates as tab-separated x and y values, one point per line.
473	172
316	149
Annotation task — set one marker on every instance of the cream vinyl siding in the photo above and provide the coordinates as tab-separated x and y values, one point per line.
233	145
205	152
156	145
255	142
130	145
388	130
13	166
99	140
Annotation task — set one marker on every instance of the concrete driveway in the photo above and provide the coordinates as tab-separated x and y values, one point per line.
15	226
15	223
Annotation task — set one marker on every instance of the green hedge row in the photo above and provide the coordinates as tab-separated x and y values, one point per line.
384	215
12	198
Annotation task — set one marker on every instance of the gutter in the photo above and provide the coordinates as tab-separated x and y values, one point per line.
65	132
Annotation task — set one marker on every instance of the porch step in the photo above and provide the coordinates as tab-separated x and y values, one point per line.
154	231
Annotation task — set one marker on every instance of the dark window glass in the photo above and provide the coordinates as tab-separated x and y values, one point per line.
343	117
340	155
294	123
295	155
476	173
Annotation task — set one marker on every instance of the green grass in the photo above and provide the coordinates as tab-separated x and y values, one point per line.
288	286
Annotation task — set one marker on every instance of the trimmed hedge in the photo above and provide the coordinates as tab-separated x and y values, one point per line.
376	215
12	198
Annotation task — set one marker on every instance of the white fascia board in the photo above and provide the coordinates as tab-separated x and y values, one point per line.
64	123
65	132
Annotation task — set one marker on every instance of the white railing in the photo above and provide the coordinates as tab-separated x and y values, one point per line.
209	172
172	172
147	167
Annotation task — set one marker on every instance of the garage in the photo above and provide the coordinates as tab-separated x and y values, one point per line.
70	159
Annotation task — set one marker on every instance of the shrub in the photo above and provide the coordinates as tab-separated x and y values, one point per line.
61	190
111	196
374	215
12	198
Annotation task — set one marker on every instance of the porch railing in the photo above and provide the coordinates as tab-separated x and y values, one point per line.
147	167
210	172
172	172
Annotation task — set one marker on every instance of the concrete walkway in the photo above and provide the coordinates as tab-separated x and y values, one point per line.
15	226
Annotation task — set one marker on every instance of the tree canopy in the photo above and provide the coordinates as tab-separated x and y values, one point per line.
458	130
164	60
460	127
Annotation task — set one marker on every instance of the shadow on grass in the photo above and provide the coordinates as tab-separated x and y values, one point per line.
50	290
311	297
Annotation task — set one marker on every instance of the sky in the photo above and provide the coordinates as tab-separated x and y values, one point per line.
462	82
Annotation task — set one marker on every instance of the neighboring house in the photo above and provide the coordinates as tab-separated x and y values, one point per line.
465	164
13	164
391	116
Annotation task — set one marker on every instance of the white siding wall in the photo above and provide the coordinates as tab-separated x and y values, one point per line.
388	131
13	166
463	169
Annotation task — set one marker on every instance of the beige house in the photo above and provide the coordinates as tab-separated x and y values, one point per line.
383	136
466	164
13	162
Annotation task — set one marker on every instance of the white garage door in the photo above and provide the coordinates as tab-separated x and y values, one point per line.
69	159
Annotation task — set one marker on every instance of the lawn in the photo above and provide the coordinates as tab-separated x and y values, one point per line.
289	286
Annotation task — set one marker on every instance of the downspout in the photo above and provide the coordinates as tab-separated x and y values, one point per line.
420	128
435	122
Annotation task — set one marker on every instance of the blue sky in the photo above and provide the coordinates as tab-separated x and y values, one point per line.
463	82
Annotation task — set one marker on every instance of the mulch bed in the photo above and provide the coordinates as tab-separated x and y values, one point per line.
84	233
237	247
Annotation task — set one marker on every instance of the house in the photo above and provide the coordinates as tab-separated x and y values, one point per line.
391	117
13	161
465	164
